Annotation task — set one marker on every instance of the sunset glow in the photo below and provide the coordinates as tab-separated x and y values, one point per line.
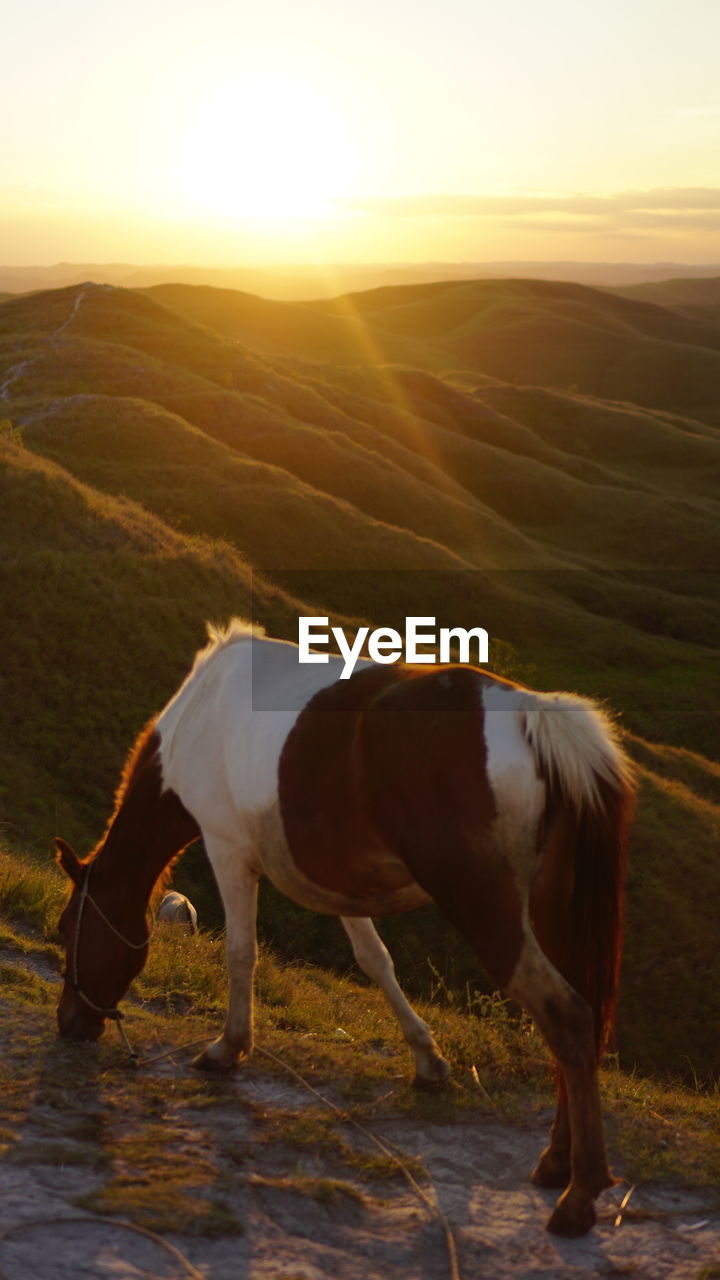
265	149
315	131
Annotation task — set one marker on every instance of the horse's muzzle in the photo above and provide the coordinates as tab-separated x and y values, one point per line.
75	1021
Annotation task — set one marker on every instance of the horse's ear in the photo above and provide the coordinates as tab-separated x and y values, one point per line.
69	861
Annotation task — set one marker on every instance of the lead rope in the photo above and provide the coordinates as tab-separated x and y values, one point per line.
133	1057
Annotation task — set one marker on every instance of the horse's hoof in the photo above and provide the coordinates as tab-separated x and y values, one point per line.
571	1219
551	1171
206	1061
436	1079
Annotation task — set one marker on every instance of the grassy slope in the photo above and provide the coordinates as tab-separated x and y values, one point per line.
524	331
331	1029
319	467
683	292
309	472
108	605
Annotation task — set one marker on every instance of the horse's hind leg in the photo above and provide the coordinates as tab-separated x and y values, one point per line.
554	1166
567	1023
552	923
238	883
431	1069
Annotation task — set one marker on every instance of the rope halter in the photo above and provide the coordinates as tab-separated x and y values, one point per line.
114	1014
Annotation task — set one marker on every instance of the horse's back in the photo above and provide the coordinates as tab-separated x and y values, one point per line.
223	733
351	794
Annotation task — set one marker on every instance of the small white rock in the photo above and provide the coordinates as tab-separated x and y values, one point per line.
175	908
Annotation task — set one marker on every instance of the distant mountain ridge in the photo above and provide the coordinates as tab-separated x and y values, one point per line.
305	281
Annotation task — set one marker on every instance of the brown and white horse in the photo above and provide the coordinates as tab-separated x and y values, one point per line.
402	784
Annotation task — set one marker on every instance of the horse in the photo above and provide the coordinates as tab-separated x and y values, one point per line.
403	784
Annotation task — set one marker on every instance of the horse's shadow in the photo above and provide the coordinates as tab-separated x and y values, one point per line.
479	1177
61	1160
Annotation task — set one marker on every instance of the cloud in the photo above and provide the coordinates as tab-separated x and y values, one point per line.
434	206
663	208
684	220
670	198
568	225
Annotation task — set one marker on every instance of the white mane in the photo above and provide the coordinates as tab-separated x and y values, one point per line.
221	636
236	629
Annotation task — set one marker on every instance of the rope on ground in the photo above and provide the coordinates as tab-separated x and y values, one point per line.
110	1222
392	1155
160	1057
433	1207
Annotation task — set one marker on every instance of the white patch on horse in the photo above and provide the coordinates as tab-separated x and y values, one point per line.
239	742
519	793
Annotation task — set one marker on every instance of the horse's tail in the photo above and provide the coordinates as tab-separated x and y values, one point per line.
590	795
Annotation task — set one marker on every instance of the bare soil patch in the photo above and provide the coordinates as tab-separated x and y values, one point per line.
250	1180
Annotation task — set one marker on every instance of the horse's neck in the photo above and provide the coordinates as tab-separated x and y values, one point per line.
149	828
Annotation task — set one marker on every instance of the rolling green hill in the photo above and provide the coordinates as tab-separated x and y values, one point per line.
161	466
691	295
103	604
520	331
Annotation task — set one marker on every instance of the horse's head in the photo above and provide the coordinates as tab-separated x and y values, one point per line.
103	949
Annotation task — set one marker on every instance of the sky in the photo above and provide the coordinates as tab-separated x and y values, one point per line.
289	131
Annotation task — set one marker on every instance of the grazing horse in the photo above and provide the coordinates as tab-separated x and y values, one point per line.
356	797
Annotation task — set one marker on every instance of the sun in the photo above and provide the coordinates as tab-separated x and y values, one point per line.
269	149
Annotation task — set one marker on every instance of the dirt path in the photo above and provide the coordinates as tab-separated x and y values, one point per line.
17	371
478	1173
288	1202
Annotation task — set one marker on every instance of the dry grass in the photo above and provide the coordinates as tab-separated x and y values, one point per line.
331	1030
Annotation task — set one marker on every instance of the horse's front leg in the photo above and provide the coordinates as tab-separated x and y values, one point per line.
238	883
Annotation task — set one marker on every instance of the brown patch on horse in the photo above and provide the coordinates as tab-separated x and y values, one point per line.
143	751
150	827
425	760
323	808
148	830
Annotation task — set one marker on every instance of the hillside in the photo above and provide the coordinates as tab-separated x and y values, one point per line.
104	603
554	334
696	296
158	471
